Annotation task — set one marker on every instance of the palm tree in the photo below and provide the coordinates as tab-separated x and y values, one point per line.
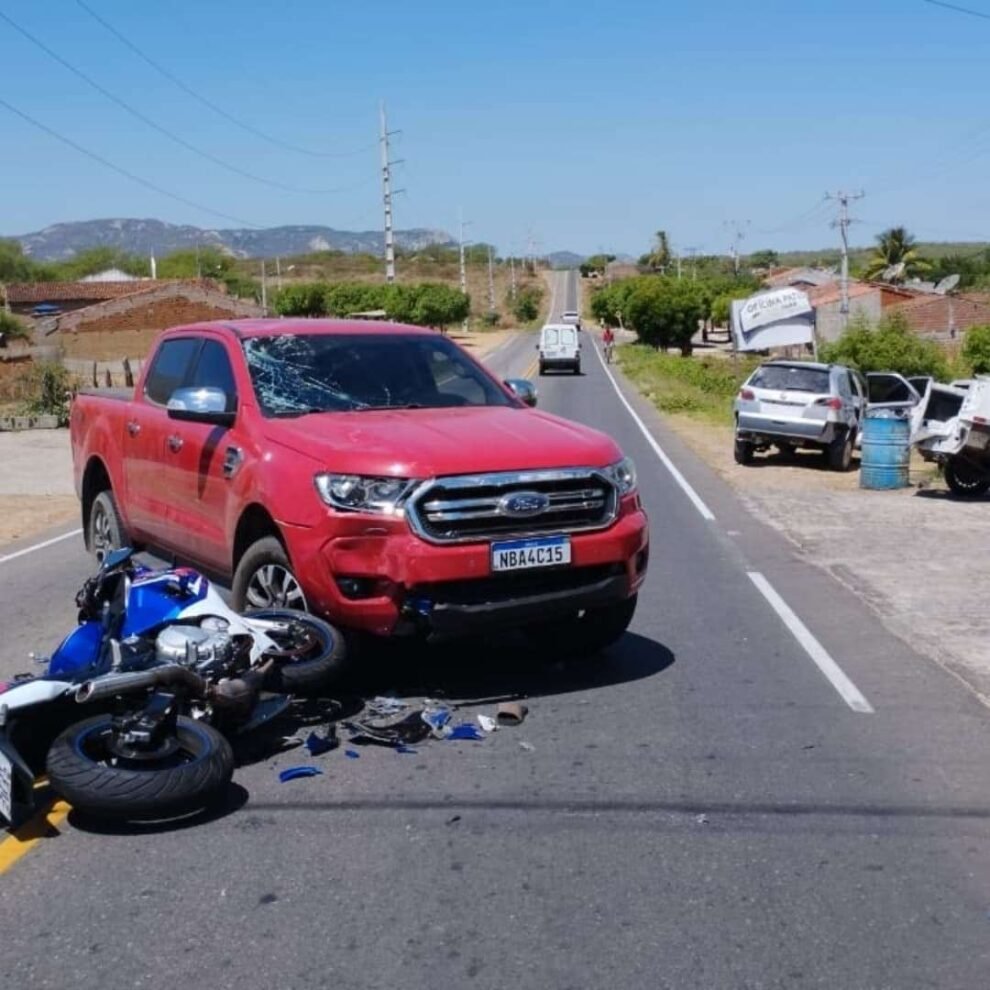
896	247
659	258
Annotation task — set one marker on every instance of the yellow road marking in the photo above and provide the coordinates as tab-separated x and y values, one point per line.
528	373
21	842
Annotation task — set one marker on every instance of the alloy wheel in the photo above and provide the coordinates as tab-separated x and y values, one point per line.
273	586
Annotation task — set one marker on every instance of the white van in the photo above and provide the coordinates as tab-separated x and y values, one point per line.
559	348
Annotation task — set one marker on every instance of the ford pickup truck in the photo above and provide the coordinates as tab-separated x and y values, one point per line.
372	473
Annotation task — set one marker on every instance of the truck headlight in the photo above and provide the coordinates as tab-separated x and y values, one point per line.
358	493
623	475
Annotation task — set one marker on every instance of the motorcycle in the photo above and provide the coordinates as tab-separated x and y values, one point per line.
131	717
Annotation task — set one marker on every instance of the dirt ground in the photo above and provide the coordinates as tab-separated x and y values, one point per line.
916	556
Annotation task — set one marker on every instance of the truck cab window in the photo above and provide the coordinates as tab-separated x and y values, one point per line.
213	370
169	368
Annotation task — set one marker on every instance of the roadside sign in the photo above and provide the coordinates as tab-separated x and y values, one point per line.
773	319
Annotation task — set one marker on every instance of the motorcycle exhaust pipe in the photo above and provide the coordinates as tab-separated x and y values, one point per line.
111	685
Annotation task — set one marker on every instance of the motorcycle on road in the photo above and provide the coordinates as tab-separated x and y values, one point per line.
130	718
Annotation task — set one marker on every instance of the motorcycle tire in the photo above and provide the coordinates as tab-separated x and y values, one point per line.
314	673
83	770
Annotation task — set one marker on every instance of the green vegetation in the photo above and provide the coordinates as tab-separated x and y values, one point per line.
49	386
596	263
890	345
700	387
429	304
525	305
11	328
896	247
763	259
659	258
976	350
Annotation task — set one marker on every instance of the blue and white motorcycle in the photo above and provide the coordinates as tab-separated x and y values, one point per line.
129	718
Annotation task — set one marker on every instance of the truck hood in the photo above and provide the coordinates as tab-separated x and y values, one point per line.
426	443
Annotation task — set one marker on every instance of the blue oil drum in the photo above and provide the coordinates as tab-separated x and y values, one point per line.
886	450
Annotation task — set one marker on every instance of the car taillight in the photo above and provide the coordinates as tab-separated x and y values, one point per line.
832	402
747	393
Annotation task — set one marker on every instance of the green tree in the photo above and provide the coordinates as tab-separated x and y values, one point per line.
658	259
665	312
100	259
11	328
301	299
526	304
896	247
15	265
49	388
205	262
976	349
764	259
345	298
596	263
891	345
439	305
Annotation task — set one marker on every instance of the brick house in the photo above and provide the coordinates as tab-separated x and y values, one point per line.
869	299
63	297
945	317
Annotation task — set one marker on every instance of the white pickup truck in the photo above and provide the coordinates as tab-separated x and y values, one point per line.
951	426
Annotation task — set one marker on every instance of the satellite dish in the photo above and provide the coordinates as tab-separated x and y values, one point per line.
947	284
893	272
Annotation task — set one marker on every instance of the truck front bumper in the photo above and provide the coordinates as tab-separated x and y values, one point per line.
379	577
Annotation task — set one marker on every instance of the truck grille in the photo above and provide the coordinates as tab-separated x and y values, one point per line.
478	507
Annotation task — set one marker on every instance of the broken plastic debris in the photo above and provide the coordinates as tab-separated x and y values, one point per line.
487	723
465	731
403	748
389	731
702	819
528	746
317	744
352	754
385	704
437	719
296	773
511	713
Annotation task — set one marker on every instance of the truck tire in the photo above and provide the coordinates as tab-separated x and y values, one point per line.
264	578
583	635
743	451
965	481
311	672
543	369
82	768
105	530
839	452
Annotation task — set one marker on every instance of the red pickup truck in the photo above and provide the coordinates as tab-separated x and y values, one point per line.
369	472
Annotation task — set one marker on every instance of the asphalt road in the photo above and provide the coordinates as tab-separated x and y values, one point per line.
704	809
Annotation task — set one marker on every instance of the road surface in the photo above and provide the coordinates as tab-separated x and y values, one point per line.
713	807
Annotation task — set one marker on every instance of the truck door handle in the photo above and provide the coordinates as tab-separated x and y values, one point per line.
175	443
133	427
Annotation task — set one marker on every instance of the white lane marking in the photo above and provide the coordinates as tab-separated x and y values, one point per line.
837	677
39	546
695	498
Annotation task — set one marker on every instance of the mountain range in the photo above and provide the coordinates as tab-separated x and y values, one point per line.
64	240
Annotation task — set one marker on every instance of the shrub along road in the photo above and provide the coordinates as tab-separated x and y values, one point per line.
708	806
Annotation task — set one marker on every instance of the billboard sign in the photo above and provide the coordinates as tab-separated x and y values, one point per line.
780	318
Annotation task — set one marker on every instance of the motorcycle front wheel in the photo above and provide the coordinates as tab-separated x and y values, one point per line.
85	770
313	654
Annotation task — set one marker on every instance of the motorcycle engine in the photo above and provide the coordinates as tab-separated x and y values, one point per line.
207	649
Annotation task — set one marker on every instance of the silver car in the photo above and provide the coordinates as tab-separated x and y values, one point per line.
792	404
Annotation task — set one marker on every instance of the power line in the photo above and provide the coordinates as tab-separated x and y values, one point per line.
123	171
796	221
959	10
209	104
171	135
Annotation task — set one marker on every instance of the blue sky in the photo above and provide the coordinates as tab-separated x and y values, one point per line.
589	124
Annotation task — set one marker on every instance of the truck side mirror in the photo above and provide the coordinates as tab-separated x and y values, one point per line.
523	389
200	405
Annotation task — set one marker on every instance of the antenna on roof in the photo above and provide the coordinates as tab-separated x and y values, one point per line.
947	284
893	272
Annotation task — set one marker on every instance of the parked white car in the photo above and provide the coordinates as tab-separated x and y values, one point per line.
559	348
795	404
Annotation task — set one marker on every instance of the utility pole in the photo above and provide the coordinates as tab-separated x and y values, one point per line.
491	282
842	222
512	277
738	228
264	290
278	273
387	199
460	217
691	252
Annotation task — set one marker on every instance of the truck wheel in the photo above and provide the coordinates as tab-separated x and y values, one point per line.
105	529
840	451
966	481
317	653
743	451
264	578
583	635
85	771
543	369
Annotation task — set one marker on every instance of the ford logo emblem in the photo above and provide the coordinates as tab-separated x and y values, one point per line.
523	504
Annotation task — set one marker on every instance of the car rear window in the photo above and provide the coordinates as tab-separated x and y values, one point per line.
794	377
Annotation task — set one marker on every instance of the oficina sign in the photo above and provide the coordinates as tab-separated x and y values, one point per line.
773	319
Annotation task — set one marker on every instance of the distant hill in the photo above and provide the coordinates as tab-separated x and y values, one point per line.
62	241
565	259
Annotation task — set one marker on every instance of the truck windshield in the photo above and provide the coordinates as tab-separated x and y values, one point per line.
295	374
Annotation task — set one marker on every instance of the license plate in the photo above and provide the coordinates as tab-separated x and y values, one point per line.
978	439
519	555
6	789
